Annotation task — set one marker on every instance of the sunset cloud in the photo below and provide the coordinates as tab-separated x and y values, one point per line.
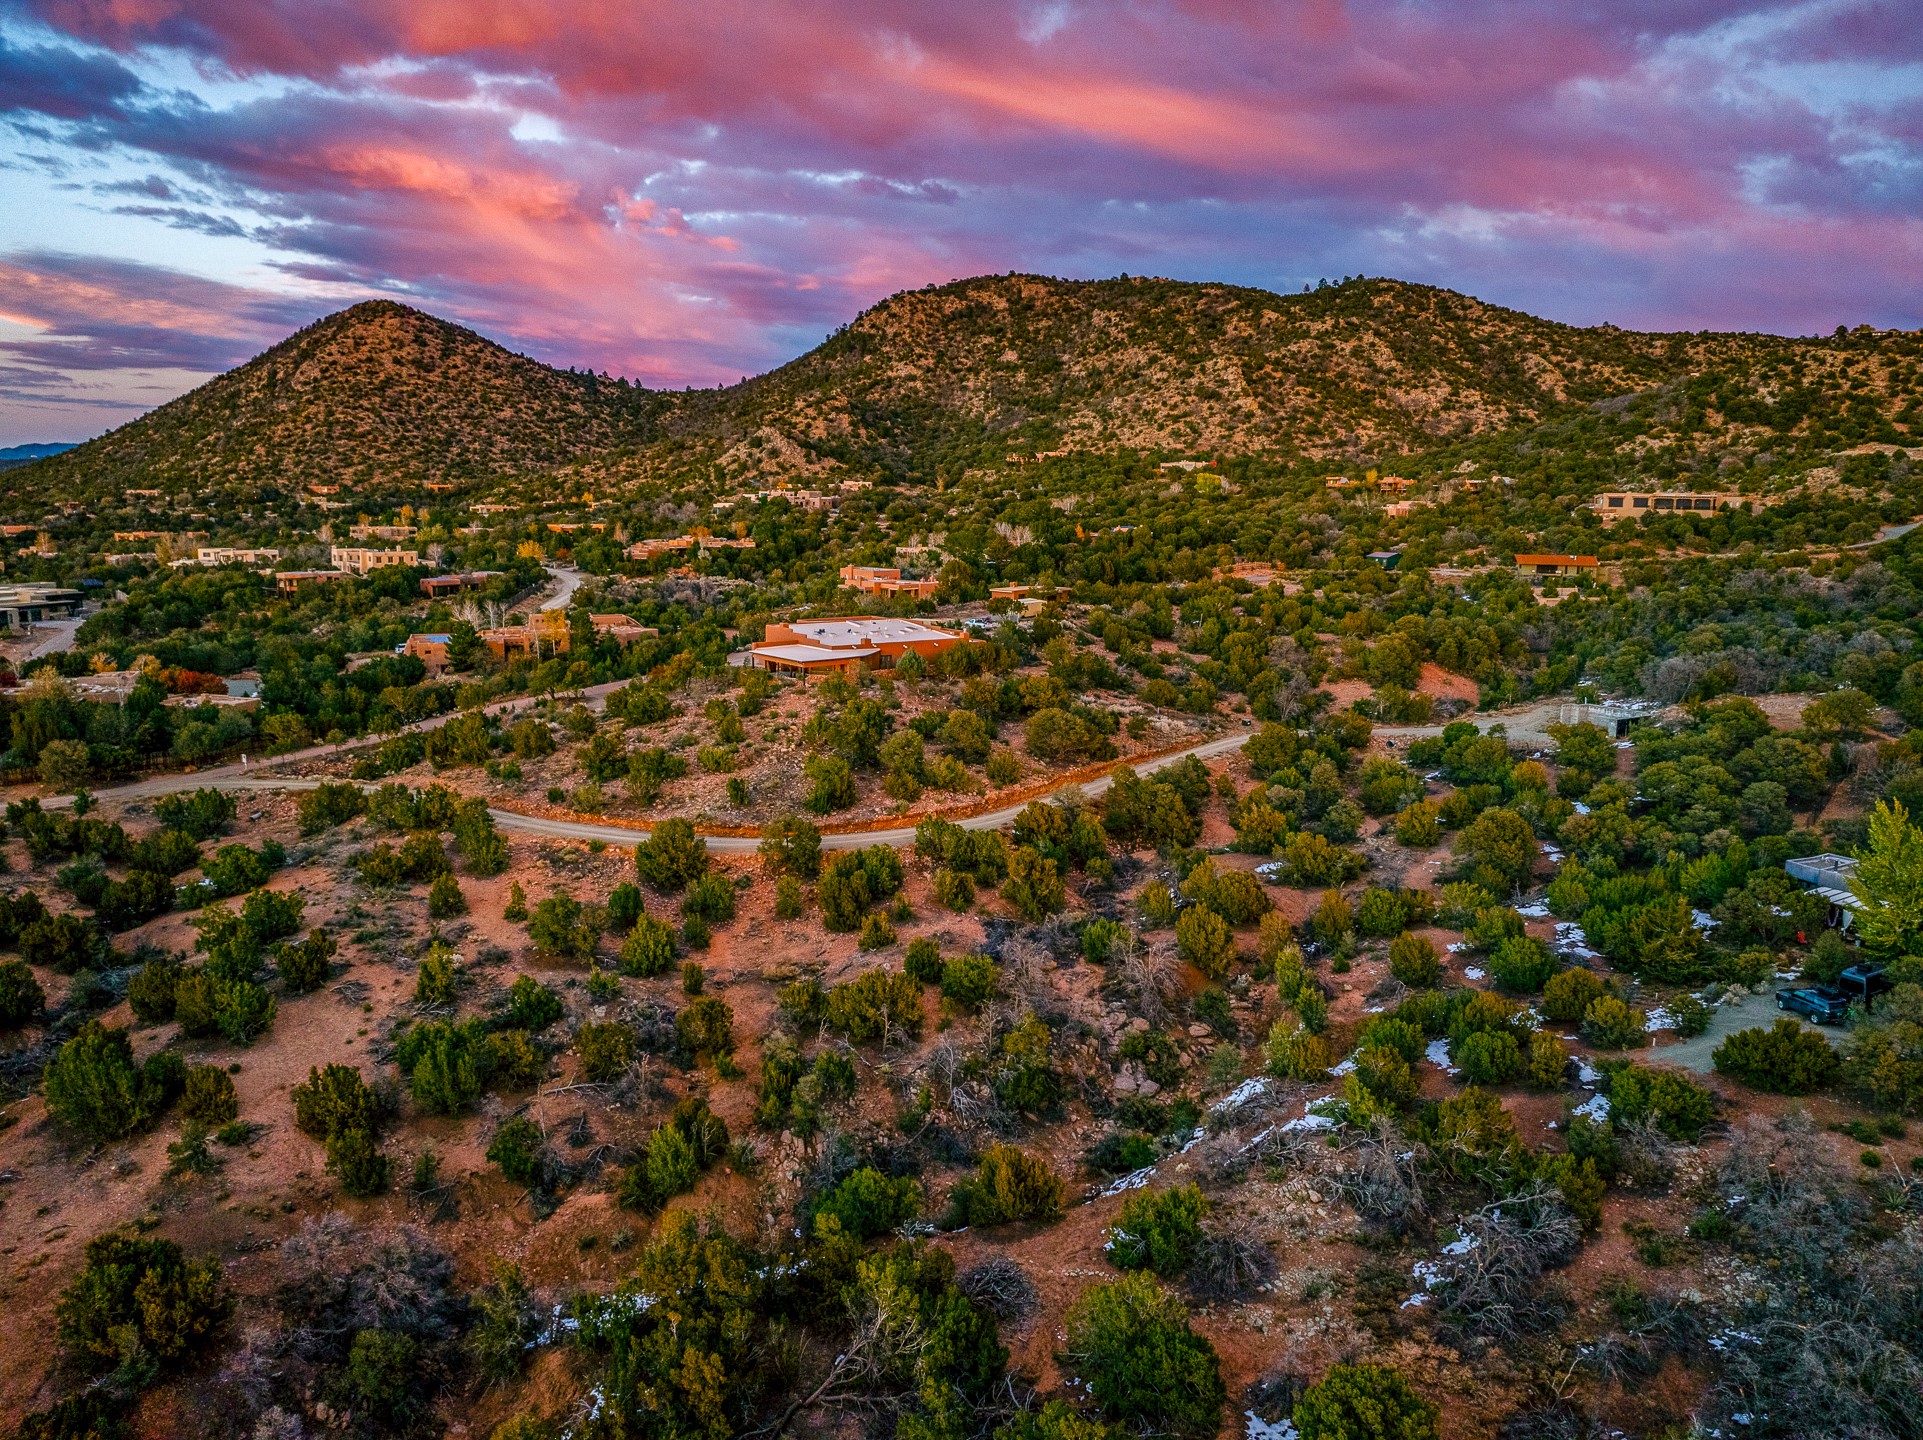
686	193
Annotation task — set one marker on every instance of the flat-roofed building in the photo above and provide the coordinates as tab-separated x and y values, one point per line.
365	562
227	555
30	604
382	532
1546	567
1614	505
886	580
807	647
288	581
430	650
435	586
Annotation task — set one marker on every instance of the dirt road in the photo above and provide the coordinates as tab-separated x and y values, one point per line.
243	779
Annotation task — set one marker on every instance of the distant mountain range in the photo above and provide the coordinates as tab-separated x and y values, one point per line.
14	455
384	399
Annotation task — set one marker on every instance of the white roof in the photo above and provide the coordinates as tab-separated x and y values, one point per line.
859	634
802	654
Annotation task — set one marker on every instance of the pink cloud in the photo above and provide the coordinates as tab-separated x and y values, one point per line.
729	182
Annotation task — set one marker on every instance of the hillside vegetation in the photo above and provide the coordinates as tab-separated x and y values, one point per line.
932	382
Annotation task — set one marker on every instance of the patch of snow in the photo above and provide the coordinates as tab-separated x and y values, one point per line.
1245	1093
1701	920
1257	1428
1658	1019
1438	1054
1596	1107
1580	808
1460	1246
1536	910
1456	947
1473	972
1134	1180
1625	745
1419	1298
1347	1067
1310	1121
1271	872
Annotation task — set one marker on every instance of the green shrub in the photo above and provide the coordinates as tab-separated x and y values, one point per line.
1548	1061
866	1007
61	943
1204	940
606	1050
667	1168
1568	994
876	933
444	897
243	1011
1158	1230
1364	1402
514	1062
1418	826
531	1005
1144	1365
151	991
1413	961
1034	885
21	997
1009	1184
444	1064
1522	965
1785	1059
1610	1024
649	949
93	1085
202	815
922	962
1489	1057
854	881
1394	1032
561	929
1297	1053
1388	1077
435	980
712	897
790	899
304	967
209	1096
791	846
706	1028
1688	1016
969	980
383	1366
329	805
867	1203
1382	913
335	1099
1674	1105
520	1149
138	1296
354	1158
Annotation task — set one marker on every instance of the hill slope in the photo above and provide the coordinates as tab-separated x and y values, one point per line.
933	381
375	393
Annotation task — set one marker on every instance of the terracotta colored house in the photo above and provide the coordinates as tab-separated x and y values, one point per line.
808	647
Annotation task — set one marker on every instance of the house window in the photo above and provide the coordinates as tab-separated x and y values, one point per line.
1641	502
1615	502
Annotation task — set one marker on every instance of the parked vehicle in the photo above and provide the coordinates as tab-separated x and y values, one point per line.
1819	1003
1864	982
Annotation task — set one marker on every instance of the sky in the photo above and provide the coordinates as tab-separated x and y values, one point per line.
690	191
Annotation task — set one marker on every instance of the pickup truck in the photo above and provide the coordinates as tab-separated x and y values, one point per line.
1817	1002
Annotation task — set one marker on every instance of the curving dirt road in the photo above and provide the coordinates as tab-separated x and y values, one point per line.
239	779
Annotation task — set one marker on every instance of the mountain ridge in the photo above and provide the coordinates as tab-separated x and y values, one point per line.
383	398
